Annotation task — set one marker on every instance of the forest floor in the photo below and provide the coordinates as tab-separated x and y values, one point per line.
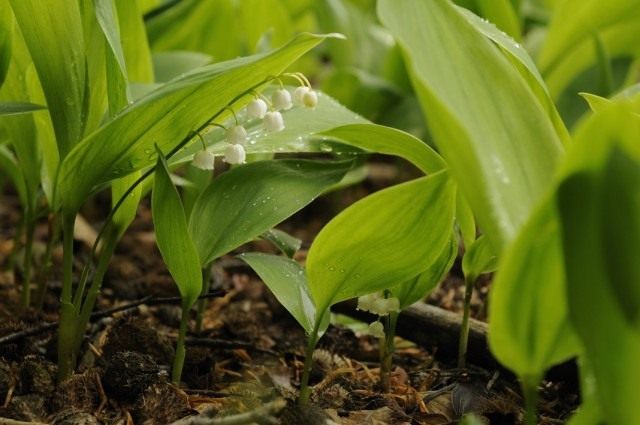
249	354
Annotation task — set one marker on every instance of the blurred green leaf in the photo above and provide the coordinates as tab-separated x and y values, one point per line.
476	117
286	243
9	166
389	237
166	116
172	236
288	282
168	65
6	35
53	32
247	201
503	15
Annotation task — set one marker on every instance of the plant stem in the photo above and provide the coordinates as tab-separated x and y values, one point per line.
206	285
305	391
43	274
387	348
178	361
25	296
530	391
464	331
86	307
68	313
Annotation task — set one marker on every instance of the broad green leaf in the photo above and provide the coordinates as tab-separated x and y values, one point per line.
387	140
17	108
599	237
288	282
107	16
496	136
419	287
172	236
529	329
247	201
479	258
286	243
53	32
165	117
589	412
135	45
382	240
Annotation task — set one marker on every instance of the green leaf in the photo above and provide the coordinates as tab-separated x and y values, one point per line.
476	117
107	17
501	13
599	208
382	240
9	166
419	287
53	32
465	220
17	108
387	140
286	243
6	35
288	282
165	117
523	335
172	236
247	201
479	258
168	65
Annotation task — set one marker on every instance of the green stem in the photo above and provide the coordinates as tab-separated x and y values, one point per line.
530	390
86	308
68	314
43	274
25	296
387	348
178	361
202	304
464	331
305	391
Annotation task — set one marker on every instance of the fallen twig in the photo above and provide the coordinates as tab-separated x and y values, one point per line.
148	300
262	414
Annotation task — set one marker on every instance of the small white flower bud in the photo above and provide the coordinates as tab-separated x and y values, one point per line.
235	154
376	329
204	160
310	99
366	302
257	108
298	94
273	122
236	135
281	100
384	306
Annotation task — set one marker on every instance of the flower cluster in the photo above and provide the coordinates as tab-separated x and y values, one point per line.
377	304
269	111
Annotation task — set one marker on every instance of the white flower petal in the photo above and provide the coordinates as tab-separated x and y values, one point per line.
257	108
236	135
273	122
204	160
281	100
235	154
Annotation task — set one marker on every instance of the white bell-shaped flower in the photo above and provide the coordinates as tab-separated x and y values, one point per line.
298	94
257	108
204	160
273	122
235	154
366	302
376	329
236	135
310	99
384	306
281	100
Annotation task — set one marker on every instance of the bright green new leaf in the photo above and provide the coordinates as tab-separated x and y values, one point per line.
288	282
419	287
387	140
247	201
495	134
382	240
286	243
529	328
480	258
53	32
172	236
165	117
17	108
